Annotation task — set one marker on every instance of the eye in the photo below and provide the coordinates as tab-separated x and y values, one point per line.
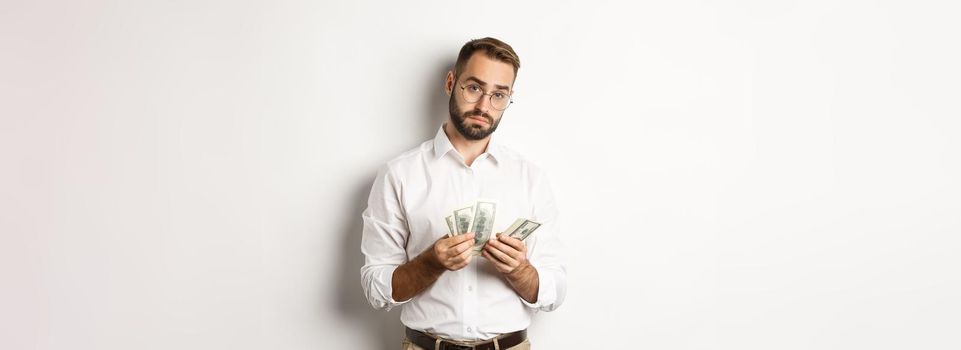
473	88
500	95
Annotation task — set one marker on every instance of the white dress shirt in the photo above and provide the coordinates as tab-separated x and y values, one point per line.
409	201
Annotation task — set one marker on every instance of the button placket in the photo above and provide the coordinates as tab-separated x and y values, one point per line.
470	299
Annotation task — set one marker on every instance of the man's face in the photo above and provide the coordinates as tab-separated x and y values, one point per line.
477	120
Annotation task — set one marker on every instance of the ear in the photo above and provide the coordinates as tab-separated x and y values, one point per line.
449	83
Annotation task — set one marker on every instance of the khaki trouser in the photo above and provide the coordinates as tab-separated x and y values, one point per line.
407	345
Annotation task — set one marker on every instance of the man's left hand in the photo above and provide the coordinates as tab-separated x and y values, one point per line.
508	254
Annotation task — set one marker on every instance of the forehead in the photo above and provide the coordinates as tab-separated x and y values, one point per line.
489	70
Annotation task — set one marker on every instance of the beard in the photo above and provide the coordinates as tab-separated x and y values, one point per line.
471	132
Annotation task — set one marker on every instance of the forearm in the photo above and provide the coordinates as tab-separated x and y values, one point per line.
525	282
416	275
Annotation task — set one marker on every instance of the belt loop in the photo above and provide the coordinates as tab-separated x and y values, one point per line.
437	344
497	346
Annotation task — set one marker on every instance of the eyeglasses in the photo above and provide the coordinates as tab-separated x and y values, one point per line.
499	99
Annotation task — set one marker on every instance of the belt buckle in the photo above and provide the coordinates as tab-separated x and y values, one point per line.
452	346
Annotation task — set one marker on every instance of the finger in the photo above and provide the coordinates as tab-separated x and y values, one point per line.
467	259
461	247
449	253
459	257
457	251
487	255
513	242
455	259
461	238
494	244
493	260
508	249
501	266
467	254
502	256
447	243
461	262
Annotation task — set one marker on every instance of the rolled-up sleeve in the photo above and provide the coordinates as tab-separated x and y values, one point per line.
545	249
384	240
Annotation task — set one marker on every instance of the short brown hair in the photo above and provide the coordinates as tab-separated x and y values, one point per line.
495	50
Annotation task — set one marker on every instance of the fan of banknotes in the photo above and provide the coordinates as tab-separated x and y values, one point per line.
479	218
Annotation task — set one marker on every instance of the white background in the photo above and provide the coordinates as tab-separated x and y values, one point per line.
749	175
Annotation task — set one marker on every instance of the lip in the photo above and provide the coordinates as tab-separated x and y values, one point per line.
478	118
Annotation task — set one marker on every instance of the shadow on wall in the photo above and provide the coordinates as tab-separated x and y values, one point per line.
383	326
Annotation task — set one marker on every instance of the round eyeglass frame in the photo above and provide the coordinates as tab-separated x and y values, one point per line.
490	96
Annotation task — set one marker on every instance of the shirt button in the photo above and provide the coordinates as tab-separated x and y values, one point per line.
470	288
468	329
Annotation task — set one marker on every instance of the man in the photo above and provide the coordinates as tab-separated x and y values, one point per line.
453	299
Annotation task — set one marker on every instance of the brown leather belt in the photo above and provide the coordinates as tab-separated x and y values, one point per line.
427	341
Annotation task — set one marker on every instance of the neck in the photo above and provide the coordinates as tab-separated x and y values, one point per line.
469	149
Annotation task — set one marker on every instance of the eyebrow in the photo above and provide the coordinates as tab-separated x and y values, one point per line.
504	87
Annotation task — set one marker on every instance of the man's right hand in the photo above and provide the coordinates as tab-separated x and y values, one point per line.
449	253
454	253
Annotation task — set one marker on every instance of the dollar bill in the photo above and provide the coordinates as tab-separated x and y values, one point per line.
462	220
482	224
479	218
450	226
521	228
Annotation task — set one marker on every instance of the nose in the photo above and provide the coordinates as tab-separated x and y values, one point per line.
484	103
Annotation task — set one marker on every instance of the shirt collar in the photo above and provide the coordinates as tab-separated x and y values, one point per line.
442	145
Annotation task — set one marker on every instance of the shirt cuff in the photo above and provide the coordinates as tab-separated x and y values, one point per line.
383	285
546	289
